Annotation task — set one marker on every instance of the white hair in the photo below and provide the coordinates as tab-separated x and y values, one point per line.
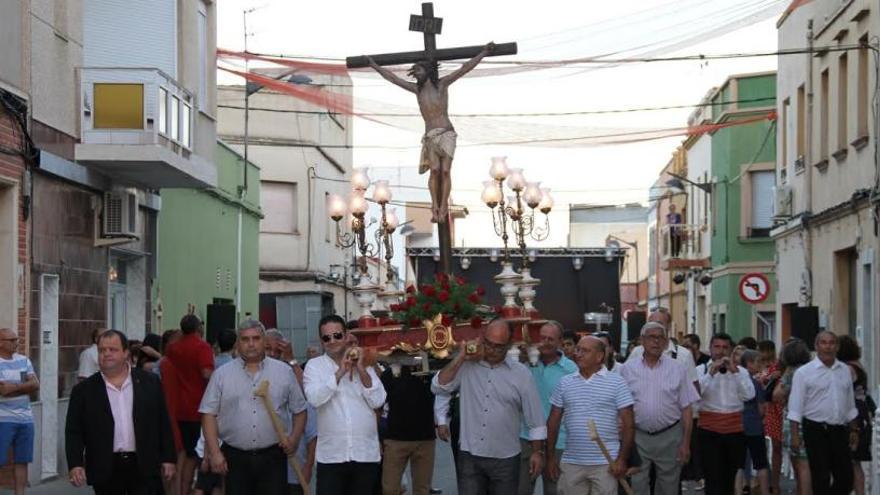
652	325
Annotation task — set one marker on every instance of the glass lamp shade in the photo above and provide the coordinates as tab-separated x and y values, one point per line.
391	221
533	194
491	194
360	181
357	205
336	207
546	203
381	192
516	180
499	170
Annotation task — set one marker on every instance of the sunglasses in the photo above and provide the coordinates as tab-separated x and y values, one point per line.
333	336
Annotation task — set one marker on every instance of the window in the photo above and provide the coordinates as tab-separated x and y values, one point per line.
862	105
163	111
801	128
184	125
175	117
842	95
824	106
786	122
278	202
118	106
762	203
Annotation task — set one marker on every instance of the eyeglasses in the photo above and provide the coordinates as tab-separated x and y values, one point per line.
654	336
494	346
333	336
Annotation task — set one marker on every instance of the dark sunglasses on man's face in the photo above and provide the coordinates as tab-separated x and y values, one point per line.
333	336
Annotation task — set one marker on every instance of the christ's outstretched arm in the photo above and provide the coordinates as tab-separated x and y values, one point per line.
392	78
467	66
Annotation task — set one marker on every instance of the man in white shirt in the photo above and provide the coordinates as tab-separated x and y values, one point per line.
345	392
88	358
822	406
725	387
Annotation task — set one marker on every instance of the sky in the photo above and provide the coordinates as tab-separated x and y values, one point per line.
546	30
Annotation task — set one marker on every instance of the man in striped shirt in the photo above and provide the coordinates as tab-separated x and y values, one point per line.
17	380
592	394
725	387
663	395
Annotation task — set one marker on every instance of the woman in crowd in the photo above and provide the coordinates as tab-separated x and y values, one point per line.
794	354
769	379
850	353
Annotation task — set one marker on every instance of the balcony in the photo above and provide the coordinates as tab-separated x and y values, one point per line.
137	128
681	247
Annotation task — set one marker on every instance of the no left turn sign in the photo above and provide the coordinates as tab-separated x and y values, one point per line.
754	288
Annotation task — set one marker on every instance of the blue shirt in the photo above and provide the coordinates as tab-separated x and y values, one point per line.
16	409
598	398
546	379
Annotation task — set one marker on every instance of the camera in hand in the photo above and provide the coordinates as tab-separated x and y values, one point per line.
723	368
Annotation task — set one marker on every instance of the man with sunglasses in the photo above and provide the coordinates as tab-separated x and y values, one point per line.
497	394
345	391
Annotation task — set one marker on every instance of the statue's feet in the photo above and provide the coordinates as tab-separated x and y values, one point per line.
435	215
443	215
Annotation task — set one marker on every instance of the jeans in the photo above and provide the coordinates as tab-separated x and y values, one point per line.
487	475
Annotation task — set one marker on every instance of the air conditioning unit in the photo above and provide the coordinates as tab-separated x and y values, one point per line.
120	214
782	204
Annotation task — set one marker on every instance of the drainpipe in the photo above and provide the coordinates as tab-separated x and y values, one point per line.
808	172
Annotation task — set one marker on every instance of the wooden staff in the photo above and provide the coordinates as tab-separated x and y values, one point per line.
594	436
263	393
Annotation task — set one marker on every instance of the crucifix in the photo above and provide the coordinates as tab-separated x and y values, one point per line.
438	143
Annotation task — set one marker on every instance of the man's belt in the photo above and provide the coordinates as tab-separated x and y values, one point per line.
272	449
661	430
824	426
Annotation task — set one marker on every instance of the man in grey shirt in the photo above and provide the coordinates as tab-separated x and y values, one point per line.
497	394
252	458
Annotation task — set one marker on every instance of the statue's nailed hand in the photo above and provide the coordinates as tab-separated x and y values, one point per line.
490	47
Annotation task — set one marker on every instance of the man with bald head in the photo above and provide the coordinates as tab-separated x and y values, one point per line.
497	395
552	365
591	394
17	380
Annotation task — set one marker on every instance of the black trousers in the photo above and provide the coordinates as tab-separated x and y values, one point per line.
127	479
723	455
829	457
346	478
262	471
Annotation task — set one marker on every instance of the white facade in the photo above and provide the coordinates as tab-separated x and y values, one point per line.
698	157
826	241
305	155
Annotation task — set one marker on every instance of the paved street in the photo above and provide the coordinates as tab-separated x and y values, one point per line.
443	468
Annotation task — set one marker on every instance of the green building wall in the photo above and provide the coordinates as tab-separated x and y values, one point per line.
732	148
198	243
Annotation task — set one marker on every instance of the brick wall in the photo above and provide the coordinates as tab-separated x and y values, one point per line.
12	169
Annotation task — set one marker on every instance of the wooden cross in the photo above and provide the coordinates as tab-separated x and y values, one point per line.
430	26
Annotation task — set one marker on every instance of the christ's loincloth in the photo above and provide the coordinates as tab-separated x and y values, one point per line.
437	143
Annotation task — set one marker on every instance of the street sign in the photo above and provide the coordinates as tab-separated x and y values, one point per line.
754	288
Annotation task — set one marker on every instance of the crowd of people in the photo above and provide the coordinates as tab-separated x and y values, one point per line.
246	417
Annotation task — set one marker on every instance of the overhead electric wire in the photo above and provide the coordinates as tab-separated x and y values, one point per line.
521	114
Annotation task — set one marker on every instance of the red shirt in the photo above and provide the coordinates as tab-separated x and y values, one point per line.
190	355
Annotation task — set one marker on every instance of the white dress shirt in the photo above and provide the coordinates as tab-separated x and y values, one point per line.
682	355
822	394
724	392
122	406
347	429
441	408
88	362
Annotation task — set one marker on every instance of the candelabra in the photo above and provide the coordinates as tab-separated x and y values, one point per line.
366	290
522	225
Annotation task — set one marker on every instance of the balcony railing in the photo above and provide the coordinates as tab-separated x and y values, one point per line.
681	246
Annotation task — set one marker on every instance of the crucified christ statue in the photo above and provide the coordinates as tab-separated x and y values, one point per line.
438	143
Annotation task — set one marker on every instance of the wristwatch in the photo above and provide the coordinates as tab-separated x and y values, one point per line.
293	362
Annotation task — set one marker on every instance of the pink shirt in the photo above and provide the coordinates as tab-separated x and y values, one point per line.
660	393
122	406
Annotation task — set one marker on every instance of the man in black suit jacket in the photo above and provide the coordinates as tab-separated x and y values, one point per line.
118	434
